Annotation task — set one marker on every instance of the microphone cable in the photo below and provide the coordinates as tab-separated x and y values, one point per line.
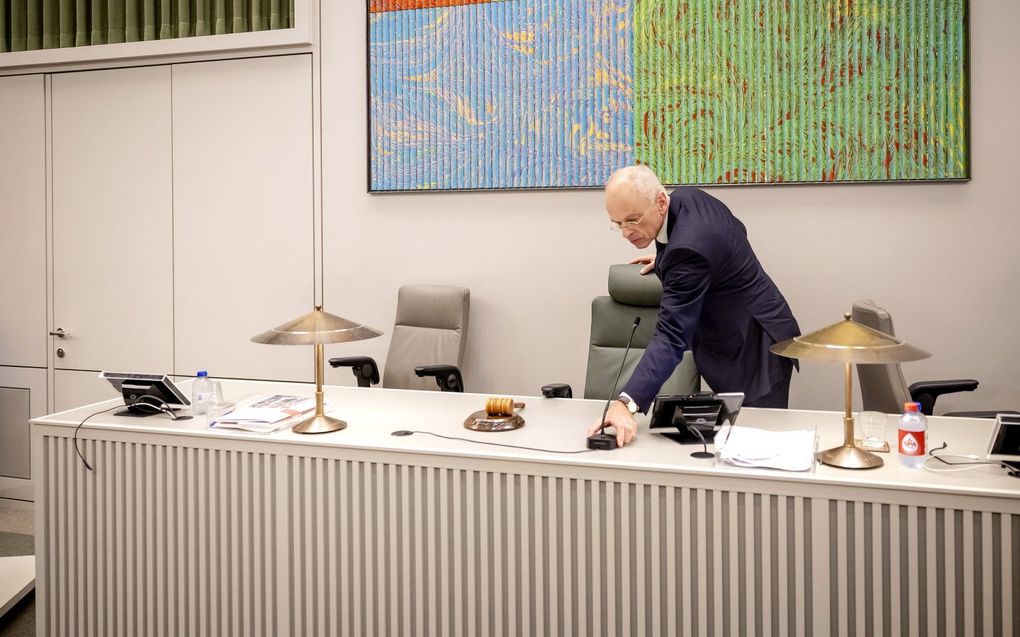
160	408
408	432
75	436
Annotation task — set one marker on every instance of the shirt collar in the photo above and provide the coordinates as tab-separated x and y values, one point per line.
662	236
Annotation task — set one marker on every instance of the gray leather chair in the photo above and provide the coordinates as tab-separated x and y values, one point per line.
429	336
612	317
883	387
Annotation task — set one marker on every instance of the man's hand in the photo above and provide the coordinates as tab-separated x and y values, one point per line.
647	260
620	419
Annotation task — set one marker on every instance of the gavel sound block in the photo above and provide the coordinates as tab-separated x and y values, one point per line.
498	415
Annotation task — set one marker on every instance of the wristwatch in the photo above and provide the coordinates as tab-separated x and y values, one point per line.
628	403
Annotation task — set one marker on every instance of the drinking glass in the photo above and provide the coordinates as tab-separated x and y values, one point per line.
872	429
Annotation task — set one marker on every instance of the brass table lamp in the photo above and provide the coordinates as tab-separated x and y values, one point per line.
849	342
317	328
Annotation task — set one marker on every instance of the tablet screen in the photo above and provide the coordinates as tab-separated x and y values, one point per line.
1005	441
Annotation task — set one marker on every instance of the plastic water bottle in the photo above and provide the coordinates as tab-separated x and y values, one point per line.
913	436
201	392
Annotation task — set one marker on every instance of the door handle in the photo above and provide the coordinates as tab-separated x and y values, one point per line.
60	332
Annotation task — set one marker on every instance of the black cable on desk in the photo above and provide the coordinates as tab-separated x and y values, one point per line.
158	407
407	432
75	436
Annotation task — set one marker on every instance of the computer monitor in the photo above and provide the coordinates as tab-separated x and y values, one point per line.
146	394
693	414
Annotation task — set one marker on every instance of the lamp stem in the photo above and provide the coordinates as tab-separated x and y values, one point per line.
319	423
318	379
848	417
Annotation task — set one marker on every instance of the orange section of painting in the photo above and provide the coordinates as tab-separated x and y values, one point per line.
379	6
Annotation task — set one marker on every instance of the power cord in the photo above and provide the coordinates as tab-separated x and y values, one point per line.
159	407
969	462
407	432
76	429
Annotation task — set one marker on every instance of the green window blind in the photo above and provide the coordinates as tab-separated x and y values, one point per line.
32	25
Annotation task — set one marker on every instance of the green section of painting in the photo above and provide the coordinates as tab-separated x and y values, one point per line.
768	91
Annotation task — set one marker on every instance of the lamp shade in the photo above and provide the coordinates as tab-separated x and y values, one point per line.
316	328
849	342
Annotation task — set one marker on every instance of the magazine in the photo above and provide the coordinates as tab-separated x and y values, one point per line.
266	414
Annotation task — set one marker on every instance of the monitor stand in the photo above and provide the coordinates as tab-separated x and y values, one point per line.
134	410
687	438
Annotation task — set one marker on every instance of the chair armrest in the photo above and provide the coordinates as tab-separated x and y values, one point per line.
927	392
447	376
557	390
364	368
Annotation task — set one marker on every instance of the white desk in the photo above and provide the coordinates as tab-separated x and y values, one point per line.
185	530
17	579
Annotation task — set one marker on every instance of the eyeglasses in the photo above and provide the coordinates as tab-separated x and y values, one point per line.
618	226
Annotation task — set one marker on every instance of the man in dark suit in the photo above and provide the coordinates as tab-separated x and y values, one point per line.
717	300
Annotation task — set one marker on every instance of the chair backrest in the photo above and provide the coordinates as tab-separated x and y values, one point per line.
430	329
882	386
630	295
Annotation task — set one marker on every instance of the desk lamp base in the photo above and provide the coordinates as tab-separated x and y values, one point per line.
319	424
850	457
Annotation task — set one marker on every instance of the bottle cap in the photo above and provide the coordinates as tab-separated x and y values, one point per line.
202	373
911	408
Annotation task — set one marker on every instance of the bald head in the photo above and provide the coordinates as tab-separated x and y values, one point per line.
635	180
637	203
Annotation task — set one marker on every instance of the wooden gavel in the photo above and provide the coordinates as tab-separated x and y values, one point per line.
496	407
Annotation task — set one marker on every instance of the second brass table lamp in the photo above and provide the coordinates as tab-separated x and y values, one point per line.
849	342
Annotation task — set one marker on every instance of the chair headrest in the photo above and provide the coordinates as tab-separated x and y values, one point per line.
867	313
443	307
628	286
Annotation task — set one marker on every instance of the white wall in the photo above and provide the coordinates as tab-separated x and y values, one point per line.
943	258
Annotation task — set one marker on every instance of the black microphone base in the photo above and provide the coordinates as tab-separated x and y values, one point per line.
702	454
604	442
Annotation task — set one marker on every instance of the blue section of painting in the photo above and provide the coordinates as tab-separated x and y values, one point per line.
515	94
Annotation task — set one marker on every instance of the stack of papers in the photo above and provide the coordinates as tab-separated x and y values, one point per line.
750	447
266	414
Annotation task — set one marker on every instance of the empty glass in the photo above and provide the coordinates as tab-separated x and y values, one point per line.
217	407
872	425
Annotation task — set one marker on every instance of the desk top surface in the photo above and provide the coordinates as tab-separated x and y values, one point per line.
561	424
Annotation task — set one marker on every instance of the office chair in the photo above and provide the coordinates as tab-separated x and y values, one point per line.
883	387
612	318
429	335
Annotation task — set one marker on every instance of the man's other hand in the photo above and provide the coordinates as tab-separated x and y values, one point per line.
647	261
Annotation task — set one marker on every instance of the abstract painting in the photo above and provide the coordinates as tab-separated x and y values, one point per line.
504	94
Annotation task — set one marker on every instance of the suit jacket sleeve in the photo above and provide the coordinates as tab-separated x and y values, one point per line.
685	275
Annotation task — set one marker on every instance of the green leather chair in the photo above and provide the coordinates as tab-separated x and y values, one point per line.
612	317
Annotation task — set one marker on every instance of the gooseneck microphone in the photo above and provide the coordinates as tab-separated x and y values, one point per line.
602	440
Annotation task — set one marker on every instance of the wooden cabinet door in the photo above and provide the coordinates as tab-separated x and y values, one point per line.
112	220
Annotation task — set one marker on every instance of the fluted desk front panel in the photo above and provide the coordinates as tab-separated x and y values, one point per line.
191	533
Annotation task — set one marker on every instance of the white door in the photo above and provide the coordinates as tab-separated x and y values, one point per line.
112	221
242	214
23	339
